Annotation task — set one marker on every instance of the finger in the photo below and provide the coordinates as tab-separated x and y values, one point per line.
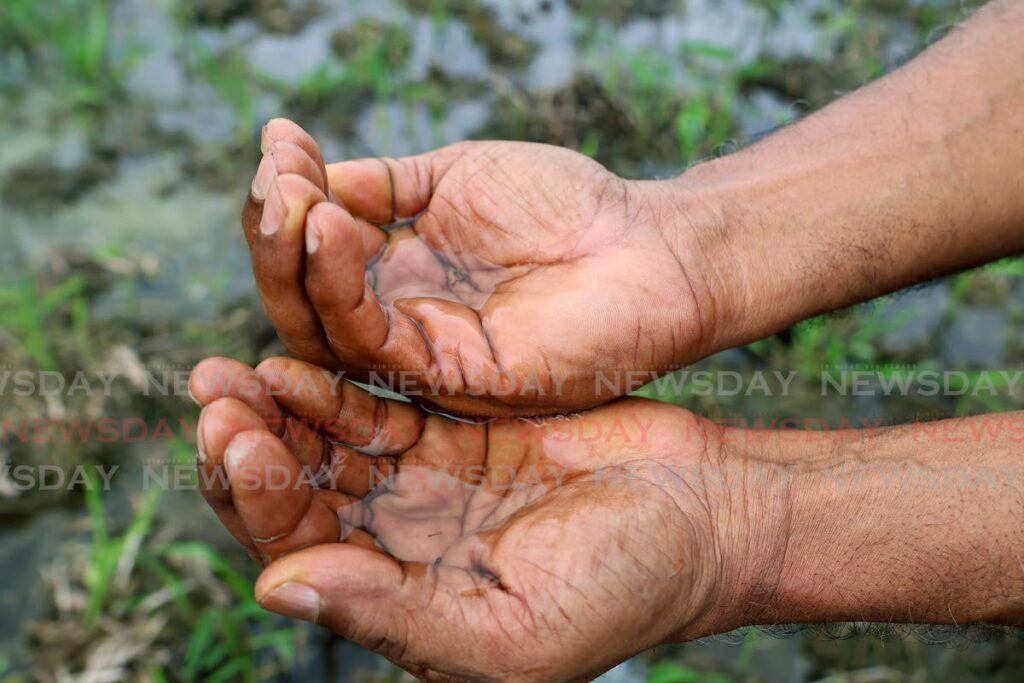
286	131
336	466
419	615
357	474
288	158
286	149
266	174
382	190
374	238
278	265
295	151
282	158
287	135
305	443
359	330
353	516
219	423
252	212
347	414
462	355
273	496
216	378
336	276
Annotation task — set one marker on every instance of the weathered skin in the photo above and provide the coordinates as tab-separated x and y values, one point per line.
529	273
551	267
500	551
548	551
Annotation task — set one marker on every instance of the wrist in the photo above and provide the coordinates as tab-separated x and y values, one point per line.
690	224
920	524
740	501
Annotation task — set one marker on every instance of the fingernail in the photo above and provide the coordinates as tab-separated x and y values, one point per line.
294	600
274	211
264	141
193	397
313	235
265	175
200	451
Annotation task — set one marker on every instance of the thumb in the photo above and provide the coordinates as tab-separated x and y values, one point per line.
383	190
421	616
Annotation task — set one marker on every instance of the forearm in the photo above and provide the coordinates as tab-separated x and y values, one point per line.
917	175
916	524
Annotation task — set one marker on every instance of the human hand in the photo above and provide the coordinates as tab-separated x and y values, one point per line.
550	550
515	550
514	278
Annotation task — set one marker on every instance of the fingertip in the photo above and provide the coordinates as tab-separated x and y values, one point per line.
201	452
209	375
219	423
382	190
276	370
293	600
284	130
216	378
271	364
292	159
333	215
297	195
278	129
266	172
241	449
326	221
364	187
275	211
334	570
265	140
252	214
338	259
273	576
270	489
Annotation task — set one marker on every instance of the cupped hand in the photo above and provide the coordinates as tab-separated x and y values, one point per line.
512	550
489	278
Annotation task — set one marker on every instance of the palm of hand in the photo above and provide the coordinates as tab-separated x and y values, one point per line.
511	278
524	274
500	551
543	555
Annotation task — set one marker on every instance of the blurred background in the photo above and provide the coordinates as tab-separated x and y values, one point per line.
128	137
